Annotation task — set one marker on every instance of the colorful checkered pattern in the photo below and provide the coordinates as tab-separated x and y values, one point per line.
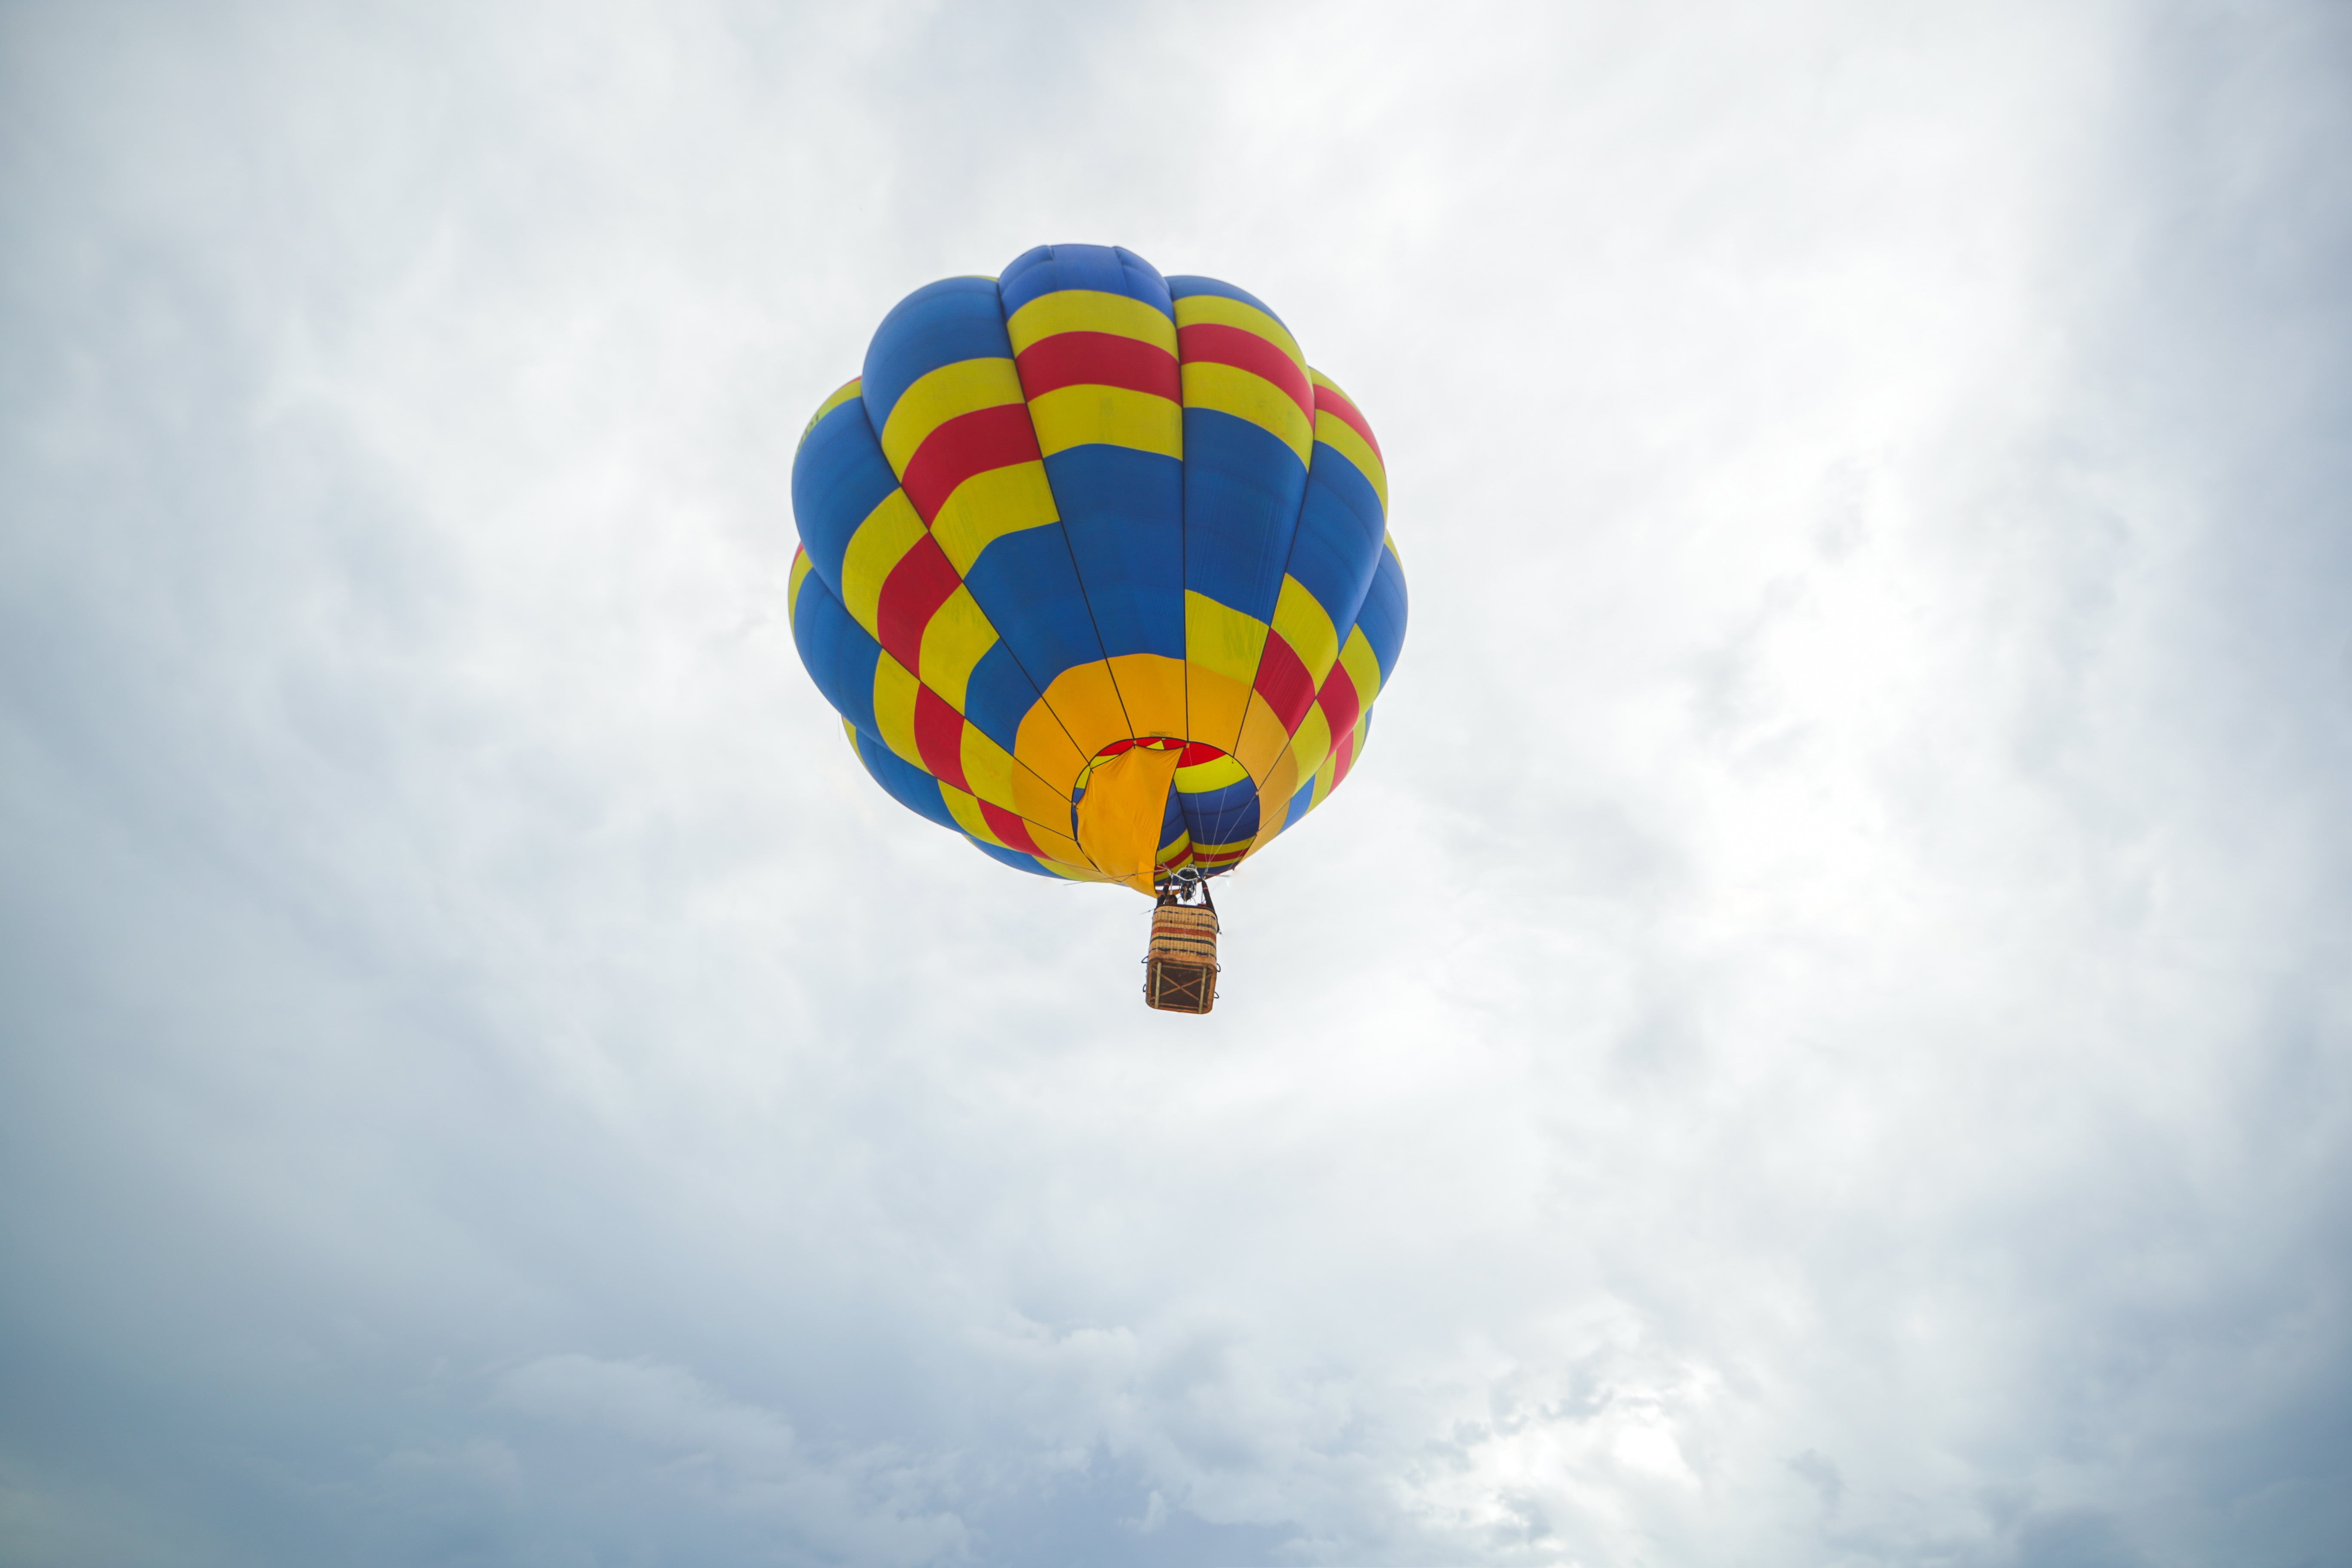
1084	509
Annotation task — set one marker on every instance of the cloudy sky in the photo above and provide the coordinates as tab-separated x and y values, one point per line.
1821	1032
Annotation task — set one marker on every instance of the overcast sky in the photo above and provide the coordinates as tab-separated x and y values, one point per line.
1819	1032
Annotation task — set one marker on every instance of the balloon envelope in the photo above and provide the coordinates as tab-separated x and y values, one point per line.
1095	568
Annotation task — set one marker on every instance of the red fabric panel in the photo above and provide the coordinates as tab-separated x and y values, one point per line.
1349	413
1340	700
1009	827
938	737
1099	359
912	596
966	445
1283	680
1214	342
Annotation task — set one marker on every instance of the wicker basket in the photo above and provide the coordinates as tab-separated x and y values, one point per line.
1180	967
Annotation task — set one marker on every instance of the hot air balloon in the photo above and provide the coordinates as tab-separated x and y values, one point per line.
1097	573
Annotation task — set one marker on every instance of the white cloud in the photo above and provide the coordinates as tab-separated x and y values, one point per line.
1815	1036
683	1445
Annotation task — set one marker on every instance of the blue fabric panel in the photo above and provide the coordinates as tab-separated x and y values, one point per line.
1110	269
1338	546
1383	616
839	476
1242	493
999	696
1013	857
1224	816
1025	586
909	785
1016	287
1300	804
940	323
840	656
1173	821
1123	512
1223	801
1185	287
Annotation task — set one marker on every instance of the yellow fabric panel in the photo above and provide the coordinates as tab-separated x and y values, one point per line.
1119	820
1224	856
1363	667
1215	774
1274	795
1090	310
1222	640
1301	620
988	768
954	639
1152	691
963	387
1312	743
1076	872
881	542
894	707
1226	313
1390	540
965	809
856	385
1221	646
1229	389
1262	739
1340	437
1324	773
1091	415
1177	850
988	505
801	565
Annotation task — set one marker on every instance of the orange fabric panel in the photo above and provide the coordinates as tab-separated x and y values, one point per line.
1119	820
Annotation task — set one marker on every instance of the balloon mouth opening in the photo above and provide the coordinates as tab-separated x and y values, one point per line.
1196	753
1155	791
